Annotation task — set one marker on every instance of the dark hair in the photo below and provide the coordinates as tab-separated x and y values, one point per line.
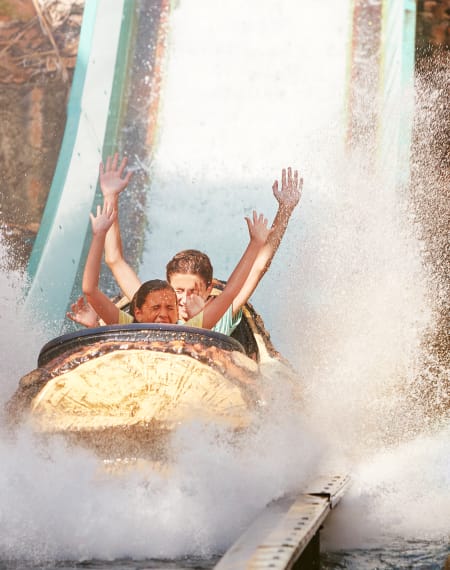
191	261
148	287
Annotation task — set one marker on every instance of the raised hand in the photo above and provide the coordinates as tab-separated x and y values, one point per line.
291	189
258	230
82	313
194	304
103	220
112	179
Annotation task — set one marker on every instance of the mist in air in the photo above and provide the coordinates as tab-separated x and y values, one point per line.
348	300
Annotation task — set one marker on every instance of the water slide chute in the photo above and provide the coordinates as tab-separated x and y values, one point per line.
96	111
59	244
380	85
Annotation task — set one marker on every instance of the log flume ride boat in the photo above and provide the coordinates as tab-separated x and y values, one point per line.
121	390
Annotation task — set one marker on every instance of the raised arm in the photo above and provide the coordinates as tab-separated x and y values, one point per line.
113	182
287	198
216	308
101	304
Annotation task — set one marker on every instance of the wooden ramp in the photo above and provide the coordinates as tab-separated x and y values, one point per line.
286	534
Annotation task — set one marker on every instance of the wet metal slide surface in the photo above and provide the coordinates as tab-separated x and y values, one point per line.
117	69
58	247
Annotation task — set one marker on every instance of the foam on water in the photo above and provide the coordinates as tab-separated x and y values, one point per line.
400	491
58	503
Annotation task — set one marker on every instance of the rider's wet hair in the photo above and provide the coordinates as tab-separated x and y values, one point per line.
191	261
148	287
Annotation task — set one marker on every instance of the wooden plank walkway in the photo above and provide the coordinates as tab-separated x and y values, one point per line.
286	534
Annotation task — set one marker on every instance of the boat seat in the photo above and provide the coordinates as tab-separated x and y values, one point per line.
244	335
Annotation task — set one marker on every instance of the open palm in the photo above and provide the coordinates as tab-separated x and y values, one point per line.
112	178
291	189
103	220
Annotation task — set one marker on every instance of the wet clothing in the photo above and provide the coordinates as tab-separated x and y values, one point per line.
196	321
125	318
228	323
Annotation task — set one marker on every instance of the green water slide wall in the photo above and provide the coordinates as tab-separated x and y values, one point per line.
380	84
397	90
93	118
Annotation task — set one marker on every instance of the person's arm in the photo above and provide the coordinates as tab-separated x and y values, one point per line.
101	304
216	308
113	182
288	198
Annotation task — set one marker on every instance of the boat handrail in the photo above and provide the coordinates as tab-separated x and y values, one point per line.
137	332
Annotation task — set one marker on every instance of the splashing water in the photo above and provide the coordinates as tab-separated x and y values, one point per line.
19	338
346	300
58	504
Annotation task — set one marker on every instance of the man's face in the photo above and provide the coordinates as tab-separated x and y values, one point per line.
159	307
186	285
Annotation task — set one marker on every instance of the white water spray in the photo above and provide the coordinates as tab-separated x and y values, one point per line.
347	297
345	300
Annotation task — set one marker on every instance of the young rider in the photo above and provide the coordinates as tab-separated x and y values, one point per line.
190	272
162	306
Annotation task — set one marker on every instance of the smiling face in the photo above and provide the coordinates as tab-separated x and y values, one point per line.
158	307
186	285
